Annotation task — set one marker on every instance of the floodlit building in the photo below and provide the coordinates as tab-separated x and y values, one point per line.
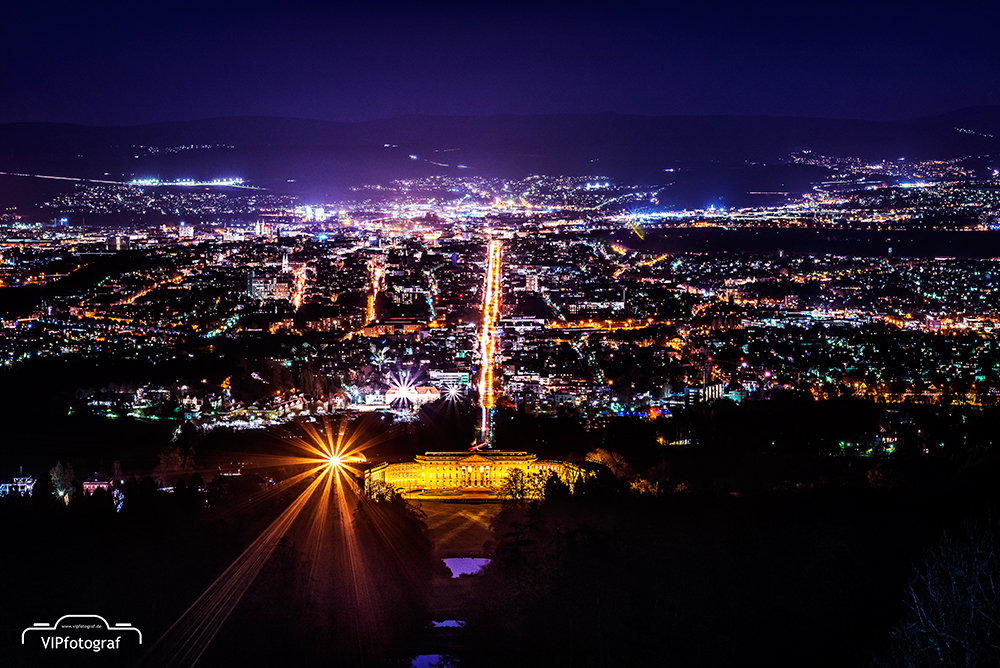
482	470
449	378
95	483
418	396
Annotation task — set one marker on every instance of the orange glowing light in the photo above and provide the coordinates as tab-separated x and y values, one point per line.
487	334
329	453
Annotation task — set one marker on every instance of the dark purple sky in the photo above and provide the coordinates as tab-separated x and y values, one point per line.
139	62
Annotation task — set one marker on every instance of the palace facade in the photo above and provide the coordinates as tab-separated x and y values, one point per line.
479	471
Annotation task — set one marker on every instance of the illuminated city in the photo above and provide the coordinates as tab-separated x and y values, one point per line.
489	336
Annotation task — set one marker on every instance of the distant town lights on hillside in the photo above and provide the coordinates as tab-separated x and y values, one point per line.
188	182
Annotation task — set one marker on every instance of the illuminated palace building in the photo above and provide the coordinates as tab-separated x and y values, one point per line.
481	471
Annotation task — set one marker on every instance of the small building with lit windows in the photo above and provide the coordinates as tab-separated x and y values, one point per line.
479	471
20	487
95	483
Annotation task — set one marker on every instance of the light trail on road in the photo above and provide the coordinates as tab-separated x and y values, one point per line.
64	178
377	271
488	339
131	299
299	286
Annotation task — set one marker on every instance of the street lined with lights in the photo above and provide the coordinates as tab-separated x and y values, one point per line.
488	338
377	271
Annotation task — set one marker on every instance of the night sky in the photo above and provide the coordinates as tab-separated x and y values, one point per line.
137	62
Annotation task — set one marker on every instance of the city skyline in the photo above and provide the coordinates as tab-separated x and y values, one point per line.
488	335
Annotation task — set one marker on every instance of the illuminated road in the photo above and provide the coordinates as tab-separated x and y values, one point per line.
227	183
63	178
299	286
432	289
377	271
488	339
145	291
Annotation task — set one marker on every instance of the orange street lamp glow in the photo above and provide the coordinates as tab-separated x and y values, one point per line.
334	458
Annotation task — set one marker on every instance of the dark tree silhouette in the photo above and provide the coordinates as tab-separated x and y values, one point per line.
954	605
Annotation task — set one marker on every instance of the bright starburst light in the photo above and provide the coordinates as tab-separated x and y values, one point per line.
331	464
402	388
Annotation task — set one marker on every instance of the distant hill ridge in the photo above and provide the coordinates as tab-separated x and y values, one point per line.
279	150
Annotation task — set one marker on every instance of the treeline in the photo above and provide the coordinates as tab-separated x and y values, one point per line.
345	585
787	441
611	578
